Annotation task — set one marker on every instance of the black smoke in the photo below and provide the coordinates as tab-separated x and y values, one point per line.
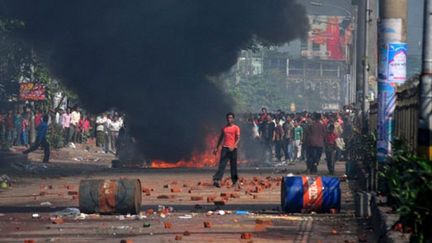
151	58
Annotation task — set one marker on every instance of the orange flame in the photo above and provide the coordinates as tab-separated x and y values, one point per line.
198	160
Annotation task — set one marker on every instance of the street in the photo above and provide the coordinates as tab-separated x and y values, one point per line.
172	189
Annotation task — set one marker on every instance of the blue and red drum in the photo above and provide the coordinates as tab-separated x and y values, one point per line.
308	193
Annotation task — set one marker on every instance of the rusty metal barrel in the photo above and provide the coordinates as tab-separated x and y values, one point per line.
110	196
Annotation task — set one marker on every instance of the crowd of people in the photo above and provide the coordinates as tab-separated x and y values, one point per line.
287	138
19	127
284	138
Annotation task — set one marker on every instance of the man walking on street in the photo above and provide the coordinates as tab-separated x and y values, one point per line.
230	135
298	140
315	134
267	135
41	139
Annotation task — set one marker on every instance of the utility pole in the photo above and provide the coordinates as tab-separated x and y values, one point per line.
365	100
425	122
360	6
392	68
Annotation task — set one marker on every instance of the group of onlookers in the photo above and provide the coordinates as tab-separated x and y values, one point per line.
19	126
288	138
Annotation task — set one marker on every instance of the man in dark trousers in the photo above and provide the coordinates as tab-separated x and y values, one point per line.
230	135
267	135
41	139
315	134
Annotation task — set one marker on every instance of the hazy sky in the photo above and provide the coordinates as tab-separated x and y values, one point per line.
415	23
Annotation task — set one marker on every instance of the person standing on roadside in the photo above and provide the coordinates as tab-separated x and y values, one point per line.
230	135
41	140
74	123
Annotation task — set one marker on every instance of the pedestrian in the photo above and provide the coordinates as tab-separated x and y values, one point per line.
315	134
84	128
107	145
288	128
266	131
41	139
65	122
18	128
74	123
25	126
278	141
230	135
100	130
114	128
330	148
298	140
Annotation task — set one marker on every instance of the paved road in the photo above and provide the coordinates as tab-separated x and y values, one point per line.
267	223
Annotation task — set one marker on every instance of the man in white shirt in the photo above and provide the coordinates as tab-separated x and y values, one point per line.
107	142
75	118
114	128
100	130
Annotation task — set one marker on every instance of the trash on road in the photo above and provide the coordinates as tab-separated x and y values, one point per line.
46	203
186	216
67	212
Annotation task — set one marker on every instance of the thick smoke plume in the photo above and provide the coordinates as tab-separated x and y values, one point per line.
151	58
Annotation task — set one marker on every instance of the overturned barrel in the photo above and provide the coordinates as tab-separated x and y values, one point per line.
306	193
110	196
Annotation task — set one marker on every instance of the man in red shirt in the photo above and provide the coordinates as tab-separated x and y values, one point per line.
230	135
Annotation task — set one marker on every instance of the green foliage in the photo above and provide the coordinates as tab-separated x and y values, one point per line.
55	136
268	89
409	181
15	60
363	148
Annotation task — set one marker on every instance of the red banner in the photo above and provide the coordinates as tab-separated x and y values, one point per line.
329	37
32	91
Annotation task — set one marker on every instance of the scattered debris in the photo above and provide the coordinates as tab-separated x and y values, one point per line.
167	225
46	203
246	236
241	212
197	198
176	190
207	224
67	212
72	193
210	199
186	216
56	220
334	231
81	216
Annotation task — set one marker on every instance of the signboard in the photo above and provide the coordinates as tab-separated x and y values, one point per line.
32	91
392	71
329	37
397	63
393	63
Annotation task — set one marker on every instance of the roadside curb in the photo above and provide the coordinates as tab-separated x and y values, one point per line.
382	221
